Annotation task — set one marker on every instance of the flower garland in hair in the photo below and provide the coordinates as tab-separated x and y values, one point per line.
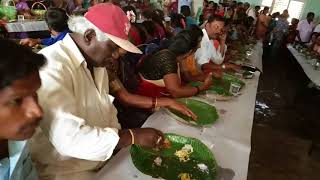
131	16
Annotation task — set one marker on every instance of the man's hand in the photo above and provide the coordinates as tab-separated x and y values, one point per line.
218	74
181	108
223	37
148	137
207	83
234	67
30	42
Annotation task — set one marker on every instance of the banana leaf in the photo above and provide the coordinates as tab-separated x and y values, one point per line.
222	86
171	167
206	113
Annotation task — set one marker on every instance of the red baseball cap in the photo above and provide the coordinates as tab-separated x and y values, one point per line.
111	20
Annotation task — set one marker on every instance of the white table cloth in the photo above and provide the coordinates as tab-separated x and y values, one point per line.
255	59
26	26
313	75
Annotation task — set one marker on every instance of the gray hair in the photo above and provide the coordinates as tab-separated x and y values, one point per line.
80	24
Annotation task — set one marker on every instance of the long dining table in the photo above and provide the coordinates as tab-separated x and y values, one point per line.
229	138
313	75
26	26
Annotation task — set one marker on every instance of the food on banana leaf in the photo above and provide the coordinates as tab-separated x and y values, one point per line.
185	176
184	153
165	164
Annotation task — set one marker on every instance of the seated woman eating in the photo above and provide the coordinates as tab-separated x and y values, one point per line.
160	72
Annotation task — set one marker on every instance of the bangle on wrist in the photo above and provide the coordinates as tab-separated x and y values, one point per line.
132	136
223	66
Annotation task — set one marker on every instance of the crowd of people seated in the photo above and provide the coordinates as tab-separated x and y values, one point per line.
142	56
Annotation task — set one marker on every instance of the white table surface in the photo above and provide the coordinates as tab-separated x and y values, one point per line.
313	75
26	26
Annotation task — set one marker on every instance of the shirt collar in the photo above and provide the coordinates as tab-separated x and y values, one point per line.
73	50
63	33
79	60
306	22
15	150
205	35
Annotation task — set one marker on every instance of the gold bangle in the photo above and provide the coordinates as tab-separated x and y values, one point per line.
132	136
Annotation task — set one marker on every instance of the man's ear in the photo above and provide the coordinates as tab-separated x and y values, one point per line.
89	35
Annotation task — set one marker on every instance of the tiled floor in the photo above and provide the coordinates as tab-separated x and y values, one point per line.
282	130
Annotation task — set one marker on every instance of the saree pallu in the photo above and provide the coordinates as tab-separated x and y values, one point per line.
151	88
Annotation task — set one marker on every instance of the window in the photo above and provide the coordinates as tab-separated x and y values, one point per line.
267	3
280	5
294	7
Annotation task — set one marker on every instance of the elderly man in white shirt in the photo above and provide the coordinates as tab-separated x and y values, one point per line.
209	58
80	130
305	29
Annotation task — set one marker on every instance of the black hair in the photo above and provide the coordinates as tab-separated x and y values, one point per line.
156	16
129	8
275	15
148	14
215	5
257	7
294	21
266	8
176	20
310	14
56	19
215	18
149	26
17	62
186	40
185	10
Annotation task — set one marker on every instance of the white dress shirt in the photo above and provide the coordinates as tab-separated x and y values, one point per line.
305	30
207	52
251	13
80	127
317	29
